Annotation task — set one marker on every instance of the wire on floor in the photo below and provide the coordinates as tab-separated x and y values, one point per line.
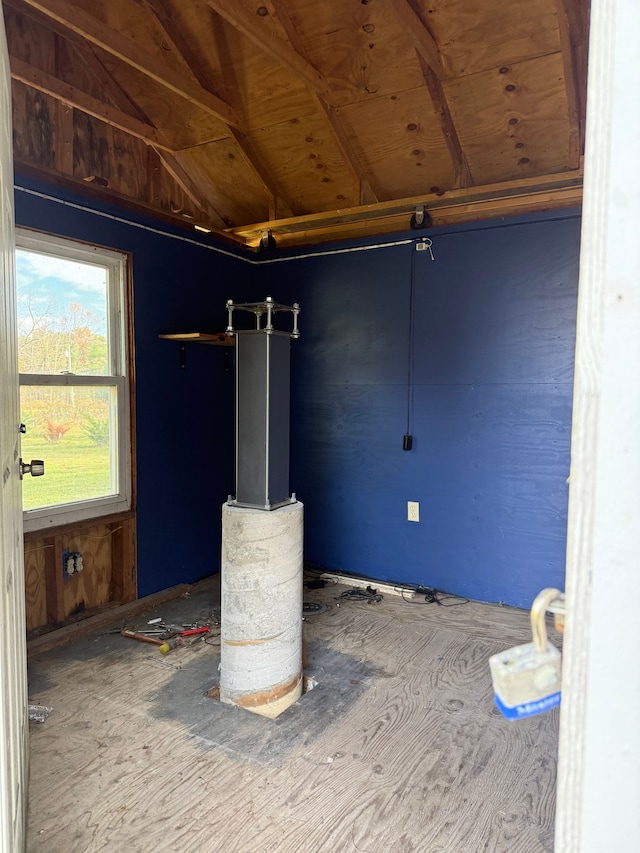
370	595
428	595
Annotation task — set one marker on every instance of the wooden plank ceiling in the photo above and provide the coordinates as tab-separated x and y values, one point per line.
309	120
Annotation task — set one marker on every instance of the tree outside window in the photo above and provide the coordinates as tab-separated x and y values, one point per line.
74	387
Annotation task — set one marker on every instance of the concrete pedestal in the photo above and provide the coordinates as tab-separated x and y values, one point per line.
261	619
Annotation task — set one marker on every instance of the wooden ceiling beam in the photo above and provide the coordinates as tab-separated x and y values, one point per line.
75	19
64	135
116	117
68	94
564	189
250	26
100	193
433	73
108	83
183	47
461	172
573	27
161	11
190	187
451	215
416	31
85	51
254	161
22	7
353	162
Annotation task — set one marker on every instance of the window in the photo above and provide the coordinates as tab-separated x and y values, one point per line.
74	390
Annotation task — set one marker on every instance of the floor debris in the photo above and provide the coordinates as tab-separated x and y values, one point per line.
38	713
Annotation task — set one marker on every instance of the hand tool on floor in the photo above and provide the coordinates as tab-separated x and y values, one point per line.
143	638
155	632
185	638
169	630
192	632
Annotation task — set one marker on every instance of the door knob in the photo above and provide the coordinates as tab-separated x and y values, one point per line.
35	468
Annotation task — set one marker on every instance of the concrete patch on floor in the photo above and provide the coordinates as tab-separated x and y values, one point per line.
39	681
341	681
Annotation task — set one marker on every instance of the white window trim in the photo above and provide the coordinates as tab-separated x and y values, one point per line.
116	262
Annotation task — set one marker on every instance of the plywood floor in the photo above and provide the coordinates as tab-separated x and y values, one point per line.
399	748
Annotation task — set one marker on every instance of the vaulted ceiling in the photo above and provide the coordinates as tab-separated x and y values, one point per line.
304	119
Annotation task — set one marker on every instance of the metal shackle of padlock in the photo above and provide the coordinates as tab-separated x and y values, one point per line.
526	679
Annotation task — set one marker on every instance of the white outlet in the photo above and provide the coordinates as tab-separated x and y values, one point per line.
413	511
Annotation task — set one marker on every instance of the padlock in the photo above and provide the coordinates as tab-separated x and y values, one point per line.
526	679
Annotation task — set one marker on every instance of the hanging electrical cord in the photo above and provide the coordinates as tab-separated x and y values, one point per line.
424	245
407	440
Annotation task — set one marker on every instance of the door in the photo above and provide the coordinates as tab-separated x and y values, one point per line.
13	670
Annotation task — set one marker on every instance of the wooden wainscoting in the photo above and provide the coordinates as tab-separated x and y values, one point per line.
108	577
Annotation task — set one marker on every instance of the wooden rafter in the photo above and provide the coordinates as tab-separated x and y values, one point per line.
461	172
86	53
421	38
23	8
108	84
68	94
433	73
278	204
191	188
64	138
64	127
254	161
279	11
353	162
65	40
573	29
153	188
69	98
190	51
183	47
163	14
90	28
56	179
251	27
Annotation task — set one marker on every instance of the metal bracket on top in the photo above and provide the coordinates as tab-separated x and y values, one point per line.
267	308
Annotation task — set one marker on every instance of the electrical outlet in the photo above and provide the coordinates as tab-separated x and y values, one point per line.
71	563
413	511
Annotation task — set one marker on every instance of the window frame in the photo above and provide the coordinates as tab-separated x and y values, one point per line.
118	306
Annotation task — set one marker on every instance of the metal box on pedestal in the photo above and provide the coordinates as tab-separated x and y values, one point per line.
262	408
262	419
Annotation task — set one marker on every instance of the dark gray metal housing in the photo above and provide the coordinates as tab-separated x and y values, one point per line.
262	406
262	419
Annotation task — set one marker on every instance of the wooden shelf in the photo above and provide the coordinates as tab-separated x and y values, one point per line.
220	339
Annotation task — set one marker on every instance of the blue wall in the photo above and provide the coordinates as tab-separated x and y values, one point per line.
490	406
490	398
184	418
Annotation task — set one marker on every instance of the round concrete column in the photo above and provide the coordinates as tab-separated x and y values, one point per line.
261	618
